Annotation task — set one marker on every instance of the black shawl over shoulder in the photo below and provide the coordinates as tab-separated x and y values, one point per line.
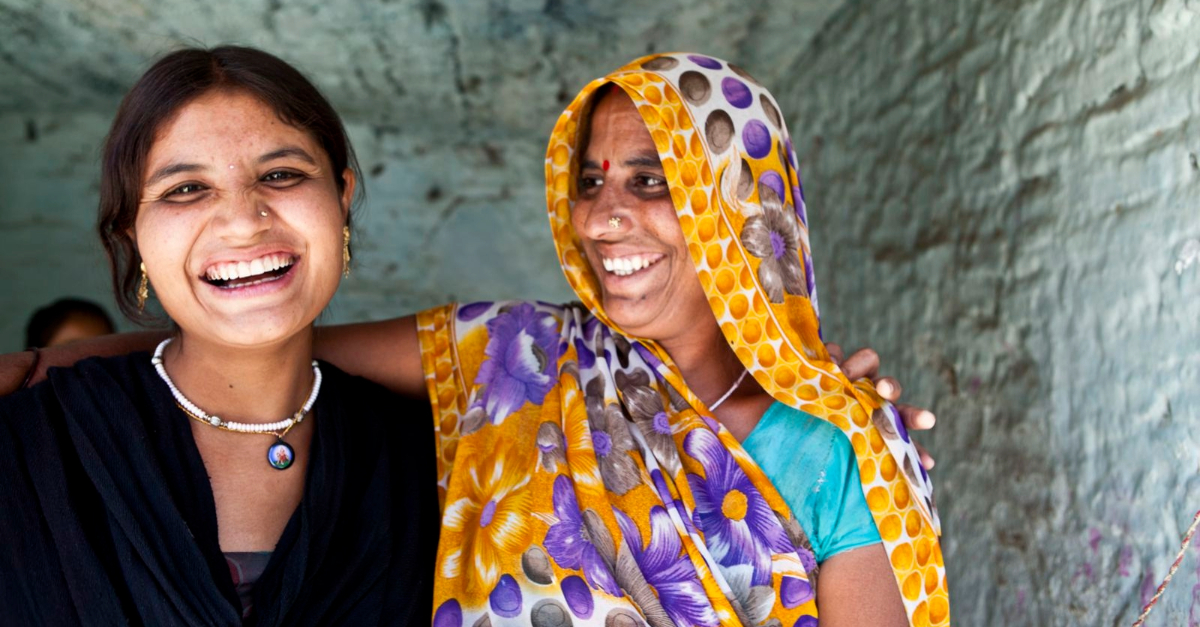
107	514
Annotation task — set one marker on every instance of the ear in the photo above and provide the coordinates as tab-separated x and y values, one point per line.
348	191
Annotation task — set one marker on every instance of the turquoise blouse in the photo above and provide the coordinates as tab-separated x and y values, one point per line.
814	469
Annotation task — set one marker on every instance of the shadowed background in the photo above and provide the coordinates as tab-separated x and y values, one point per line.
1002	196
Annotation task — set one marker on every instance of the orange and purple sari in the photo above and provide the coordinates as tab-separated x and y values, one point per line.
582	481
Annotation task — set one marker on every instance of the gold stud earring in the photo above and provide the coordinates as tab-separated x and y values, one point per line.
143	288
345	251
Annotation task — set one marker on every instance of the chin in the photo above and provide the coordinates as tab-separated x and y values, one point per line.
631	319
250	330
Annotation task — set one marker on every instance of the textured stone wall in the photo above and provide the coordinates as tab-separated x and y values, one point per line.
449	105
1002	194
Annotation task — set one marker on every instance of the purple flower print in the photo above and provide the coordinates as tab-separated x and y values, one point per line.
570	540
664	493
522	351
651	360
739	527
670	573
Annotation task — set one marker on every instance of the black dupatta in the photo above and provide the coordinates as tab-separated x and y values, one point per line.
107	514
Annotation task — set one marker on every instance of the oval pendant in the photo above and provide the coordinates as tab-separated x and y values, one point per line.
281	455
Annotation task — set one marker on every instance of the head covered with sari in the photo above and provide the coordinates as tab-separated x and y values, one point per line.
581	478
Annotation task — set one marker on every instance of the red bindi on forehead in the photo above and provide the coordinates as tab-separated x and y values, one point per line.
605	165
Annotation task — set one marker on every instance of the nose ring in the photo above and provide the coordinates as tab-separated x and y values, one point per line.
614	222
263	213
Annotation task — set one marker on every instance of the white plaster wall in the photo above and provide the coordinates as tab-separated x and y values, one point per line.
999	193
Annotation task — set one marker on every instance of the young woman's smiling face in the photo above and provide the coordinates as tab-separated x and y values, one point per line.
629	230
240	221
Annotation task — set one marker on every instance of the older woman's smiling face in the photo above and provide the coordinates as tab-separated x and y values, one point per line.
647	280
221	268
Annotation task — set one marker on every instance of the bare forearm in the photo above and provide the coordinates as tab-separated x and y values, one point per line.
14	367
386	352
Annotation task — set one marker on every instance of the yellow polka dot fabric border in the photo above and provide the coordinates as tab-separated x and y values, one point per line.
732	171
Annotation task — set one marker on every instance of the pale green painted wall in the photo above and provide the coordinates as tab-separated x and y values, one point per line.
1000	194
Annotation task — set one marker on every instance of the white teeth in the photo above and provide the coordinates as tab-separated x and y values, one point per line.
232	271
626	266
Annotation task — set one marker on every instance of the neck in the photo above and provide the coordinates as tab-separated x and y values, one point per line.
704	358
252	385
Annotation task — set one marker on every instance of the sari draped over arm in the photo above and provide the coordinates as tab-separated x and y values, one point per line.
580	478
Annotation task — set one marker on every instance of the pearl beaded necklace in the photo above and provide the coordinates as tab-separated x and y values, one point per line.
280	455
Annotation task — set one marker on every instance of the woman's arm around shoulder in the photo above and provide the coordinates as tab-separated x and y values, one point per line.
386	352
30	368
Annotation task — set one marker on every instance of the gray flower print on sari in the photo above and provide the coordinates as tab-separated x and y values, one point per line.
611	440
804	549
774	237
753	604
552	446
645	406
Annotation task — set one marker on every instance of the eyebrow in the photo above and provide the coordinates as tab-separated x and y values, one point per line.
172	169
176	168
644	160
288	151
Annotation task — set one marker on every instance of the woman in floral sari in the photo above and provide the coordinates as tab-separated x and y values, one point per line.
611	461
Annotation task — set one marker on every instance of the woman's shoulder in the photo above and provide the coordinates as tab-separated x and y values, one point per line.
812	433
815	448
125	372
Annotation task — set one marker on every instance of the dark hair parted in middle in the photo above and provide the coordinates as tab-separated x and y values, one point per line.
172	82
